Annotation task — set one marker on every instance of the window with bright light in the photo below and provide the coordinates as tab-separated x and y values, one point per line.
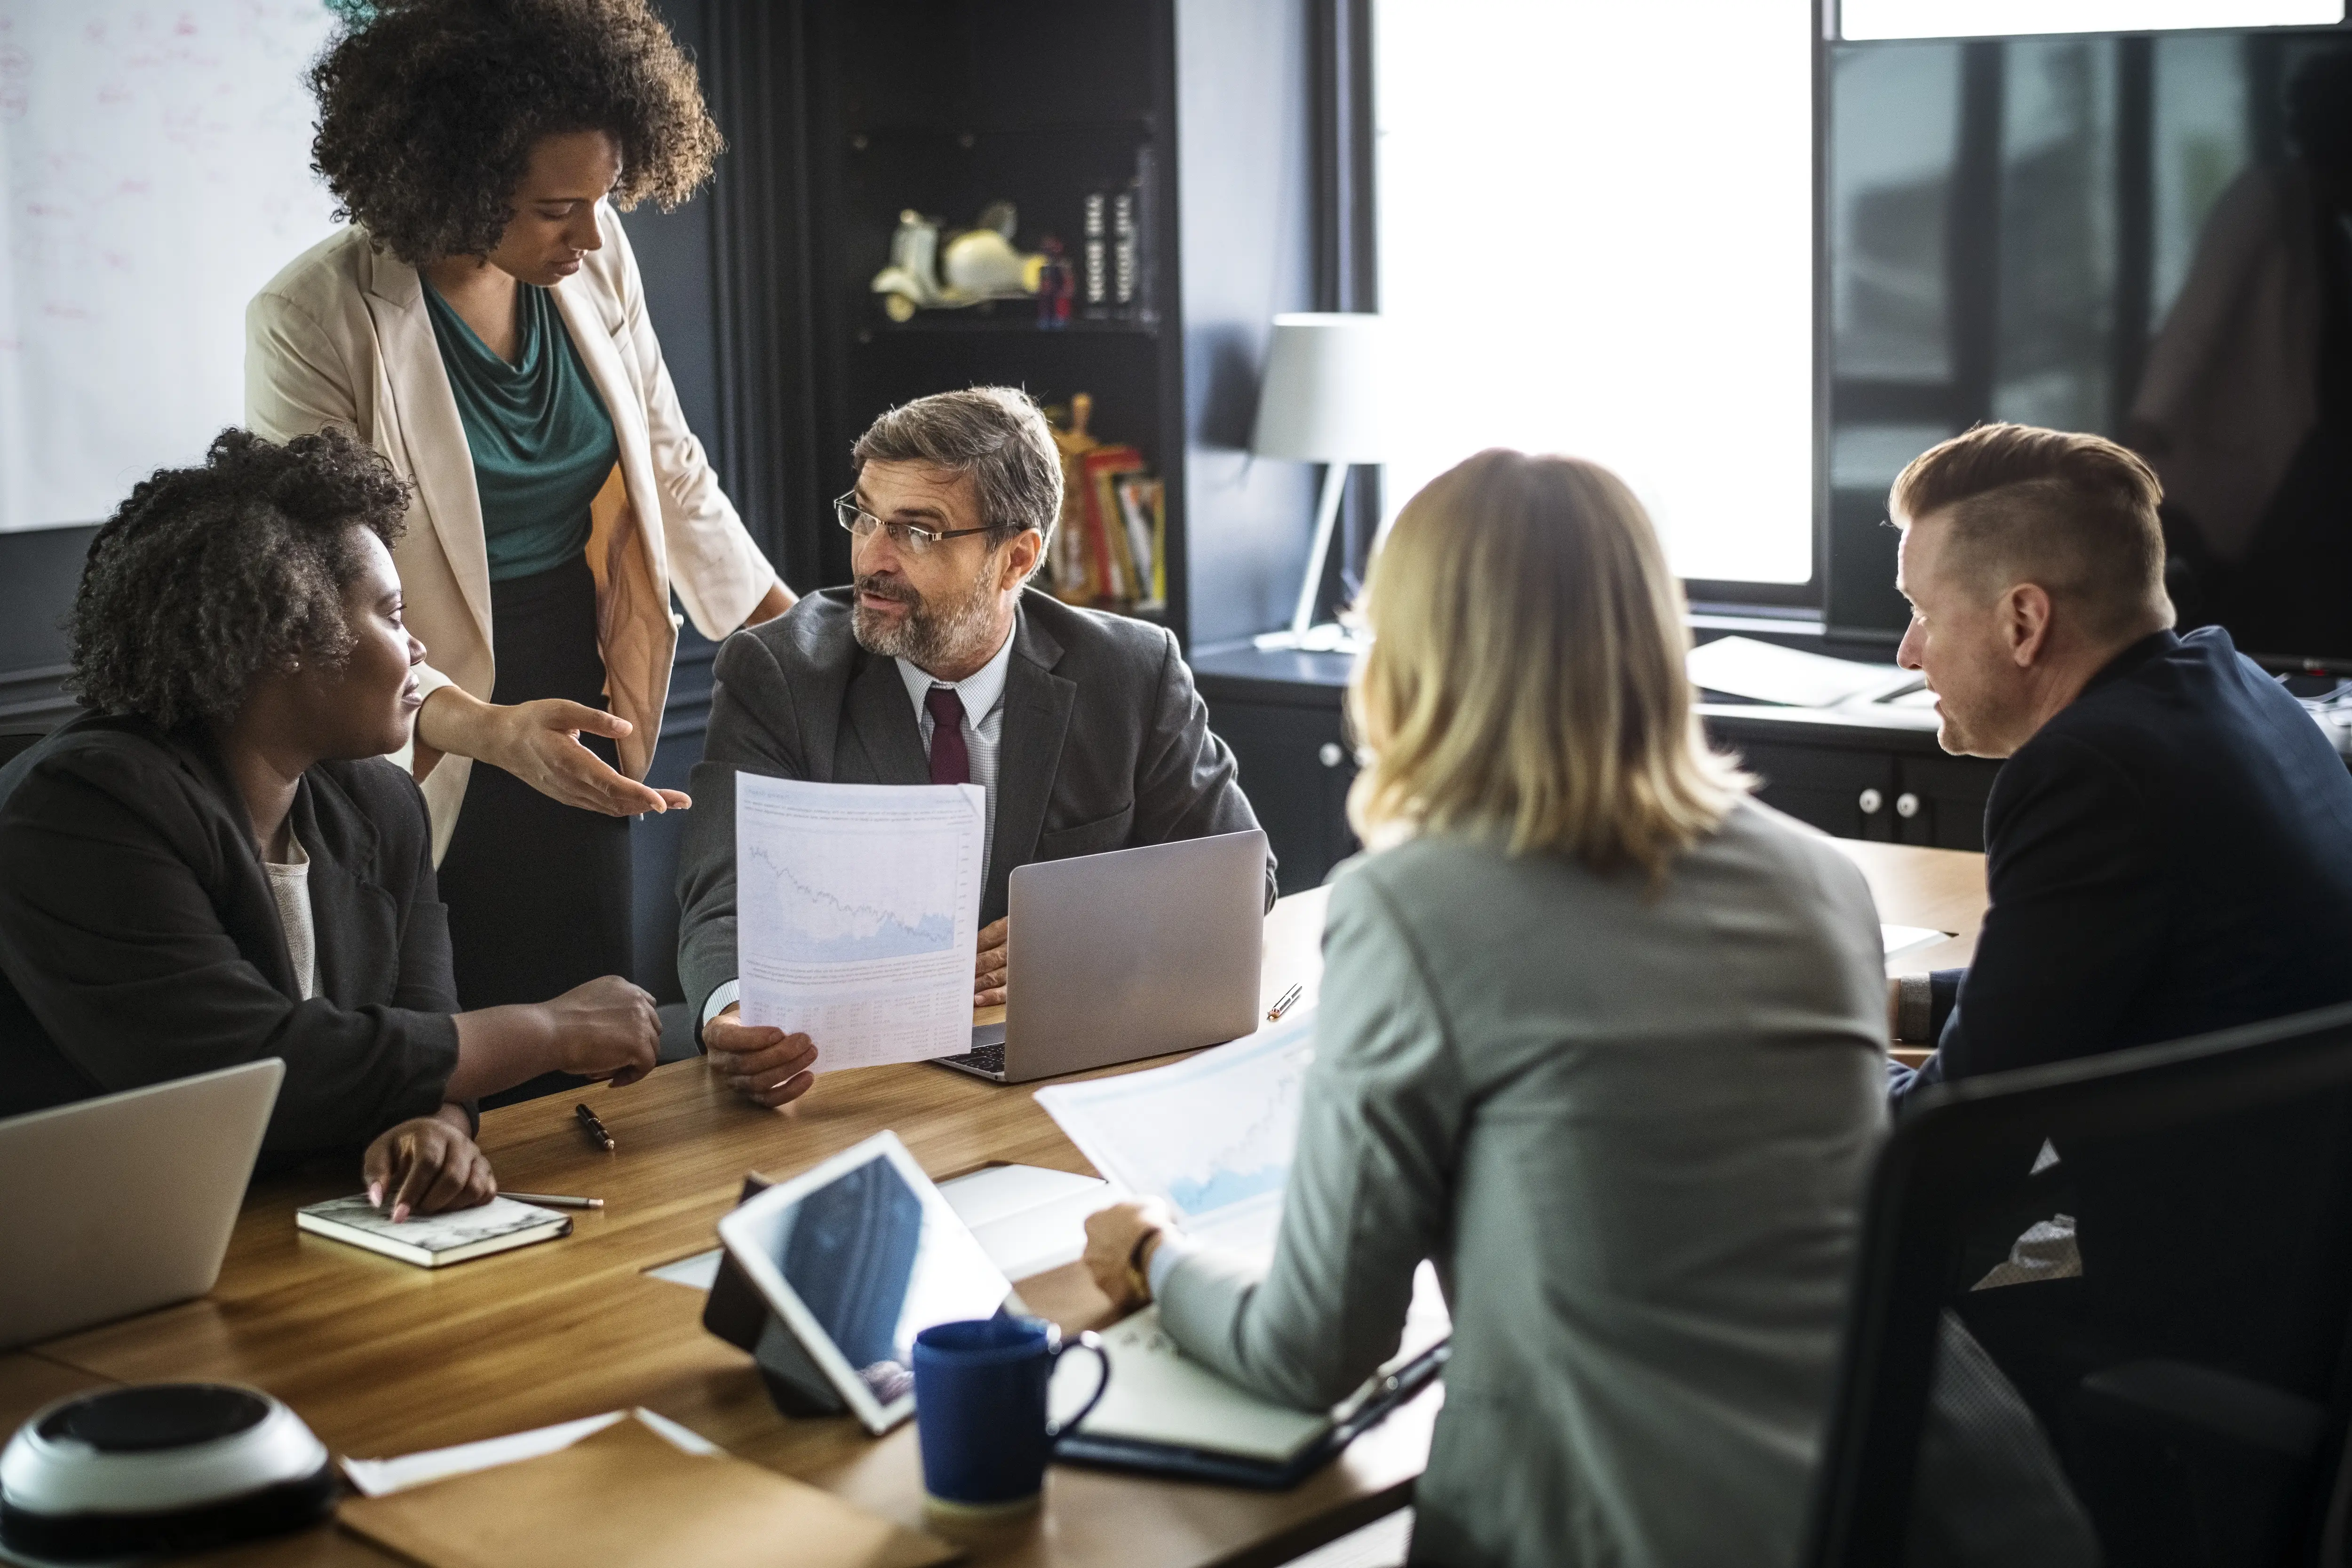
1596	238
1863	20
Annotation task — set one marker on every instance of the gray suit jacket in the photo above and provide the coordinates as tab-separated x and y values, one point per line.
1105	746
1631	1124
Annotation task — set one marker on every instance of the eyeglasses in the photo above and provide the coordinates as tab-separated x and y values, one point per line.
907	536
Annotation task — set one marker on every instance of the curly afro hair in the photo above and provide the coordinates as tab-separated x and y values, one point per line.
428	110
208	577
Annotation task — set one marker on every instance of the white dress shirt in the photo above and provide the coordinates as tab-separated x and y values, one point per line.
982	695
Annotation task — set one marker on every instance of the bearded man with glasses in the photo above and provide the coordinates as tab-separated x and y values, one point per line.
939	665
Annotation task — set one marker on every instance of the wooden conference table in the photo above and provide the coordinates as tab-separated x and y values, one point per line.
382	1359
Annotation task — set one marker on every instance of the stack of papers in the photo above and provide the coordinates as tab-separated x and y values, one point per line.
1767	672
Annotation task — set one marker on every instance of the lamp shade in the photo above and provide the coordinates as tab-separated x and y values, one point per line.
1322	400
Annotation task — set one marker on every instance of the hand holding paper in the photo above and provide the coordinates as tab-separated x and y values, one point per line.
858	913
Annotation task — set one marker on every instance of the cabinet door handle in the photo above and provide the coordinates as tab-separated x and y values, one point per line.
1906	804
1331	754
1871	803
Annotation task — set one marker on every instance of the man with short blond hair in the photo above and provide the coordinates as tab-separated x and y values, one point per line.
2169	849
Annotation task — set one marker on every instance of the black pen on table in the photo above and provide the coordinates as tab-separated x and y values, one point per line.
554	1200
595	1128
1283	1003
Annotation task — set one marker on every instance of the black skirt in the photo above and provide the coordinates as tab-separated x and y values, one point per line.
539	892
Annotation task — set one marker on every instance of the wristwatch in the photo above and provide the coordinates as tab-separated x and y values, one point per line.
1915	1009
1139	1283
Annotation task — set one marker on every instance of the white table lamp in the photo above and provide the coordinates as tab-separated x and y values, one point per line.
1321	403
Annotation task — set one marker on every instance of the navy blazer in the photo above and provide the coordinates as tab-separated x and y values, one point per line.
2172	854
139	941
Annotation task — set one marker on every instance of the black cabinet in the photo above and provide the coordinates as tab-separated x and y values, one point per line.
1883	778
1875	776
1282	714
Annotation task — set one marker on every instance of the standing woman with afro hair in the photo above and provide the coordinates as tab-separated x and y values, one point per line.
482	324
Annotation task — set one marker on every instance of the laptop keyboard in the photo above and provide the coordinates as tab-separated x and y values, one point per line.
987	1058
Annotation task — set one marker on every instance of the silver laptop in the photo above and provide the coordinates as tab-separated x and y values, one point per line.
1126	955
114	1206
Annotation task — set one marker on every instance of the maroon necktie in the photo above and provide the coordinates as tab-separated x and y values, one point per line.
951	763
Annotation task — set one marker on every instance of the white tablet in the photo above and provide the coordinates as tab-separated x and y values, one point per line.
854	1258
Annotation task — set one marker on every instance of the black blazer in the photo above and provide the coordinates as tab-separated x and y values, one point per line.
1105	746
2170	854
140	943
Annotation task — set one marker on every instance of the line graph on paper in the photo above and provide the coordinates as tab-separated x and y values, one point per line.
910	915
1214	1136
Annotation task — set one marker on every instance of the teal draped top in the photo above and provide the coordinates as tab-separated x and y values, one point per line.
542	439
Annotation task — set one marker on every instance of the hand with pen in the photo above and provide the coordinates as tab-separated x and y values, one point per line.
427	1165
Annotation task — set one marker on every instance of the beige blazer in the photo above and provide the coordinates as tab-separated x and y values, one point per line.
341	336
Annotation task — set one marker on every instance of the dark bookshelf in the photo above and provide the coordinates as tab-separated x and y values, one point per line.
943	107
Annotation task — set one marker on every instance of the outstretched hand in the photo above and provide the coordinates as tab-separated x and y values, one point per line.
539	742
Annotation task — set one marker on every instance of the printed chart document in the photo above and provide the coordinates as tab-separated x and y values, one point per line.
857	914
1212	1135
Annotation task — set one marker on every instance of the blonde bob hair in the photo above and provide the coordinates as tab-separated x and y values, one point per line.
1525	682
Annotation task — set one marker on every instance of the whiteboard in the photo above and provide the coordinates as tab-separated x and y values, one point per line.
155	173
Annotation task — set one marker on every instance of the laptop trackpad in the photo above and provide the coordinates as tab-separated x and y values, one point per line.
983	1034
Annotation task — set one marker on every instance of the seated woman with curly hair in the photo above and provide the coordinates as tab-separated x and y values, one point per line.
481	323
214	864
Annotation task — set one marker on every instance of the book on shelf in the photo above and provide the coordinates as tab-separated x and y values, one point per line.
1094	251
1143	509
1109	549
1122	249
1114	561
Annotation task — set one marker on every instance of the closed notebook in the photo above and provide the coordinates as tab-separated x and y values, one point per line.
433	1240
623	1497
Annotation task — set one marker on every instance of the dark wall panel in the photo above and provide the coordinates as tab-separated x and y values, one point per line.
1245	165
38	568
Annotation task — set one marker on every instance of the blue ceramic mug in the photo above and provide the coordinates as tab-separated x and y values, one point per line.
980	1409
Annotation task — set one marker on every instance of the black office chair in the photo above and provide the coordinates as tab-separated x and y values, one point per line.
2193	1381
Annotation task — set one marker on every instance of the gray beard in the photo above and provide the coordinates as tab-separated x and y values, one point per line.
930	637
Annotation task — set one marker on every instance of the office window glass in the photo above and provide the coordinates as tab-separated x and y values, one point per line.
2056	293
1862	19
2201	142
1596	237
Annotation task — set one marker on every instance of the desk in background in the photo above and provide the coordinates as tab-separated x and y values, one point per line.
382	1359
1870	775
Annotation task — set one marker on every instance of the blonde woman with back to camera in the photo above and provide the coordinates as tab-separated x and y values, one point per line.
1599	1036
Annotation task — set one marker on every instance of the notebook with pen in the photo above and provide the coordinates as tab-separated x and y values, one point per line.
436	1240
1166	1413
